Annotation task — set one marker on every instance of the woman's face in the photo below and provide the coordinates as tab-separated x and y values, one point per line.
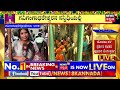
24	35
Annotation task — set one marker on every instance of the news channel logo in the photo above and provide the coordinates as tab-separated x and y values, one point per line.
63	66
10	66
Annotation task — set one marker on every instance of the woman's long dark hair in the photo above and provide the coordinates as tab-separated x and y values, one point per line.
30	45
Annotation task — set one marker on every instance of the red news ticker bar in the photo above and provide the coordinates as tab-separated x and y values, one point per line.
108	74
50	68
79	73
71	73
28	67
76	73
43	68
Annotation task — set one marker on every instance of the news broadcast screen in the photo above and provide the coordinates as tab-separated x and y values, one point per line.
59	45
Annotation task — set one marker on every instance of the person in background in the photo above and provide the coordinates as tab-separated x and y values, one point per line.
42	42
85	48
32	35
62	47
29	53
40	31
59	44
67	37
46	36
59	55
39	40
74	47
88	33
14	35
56	43
45	50
69	51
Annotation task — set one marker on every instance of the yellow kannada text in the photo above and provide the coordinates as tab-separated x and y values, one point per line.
60	19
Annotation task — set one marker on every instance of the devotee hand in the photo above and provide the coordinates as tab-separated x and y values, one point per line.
22	58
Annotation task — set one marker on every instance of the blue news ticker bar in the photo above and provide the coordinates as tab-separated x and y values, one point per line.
72	66
22	25
104	31
92	66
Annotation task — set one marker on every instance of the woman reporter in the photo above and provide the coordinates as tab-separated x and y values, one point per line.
24	49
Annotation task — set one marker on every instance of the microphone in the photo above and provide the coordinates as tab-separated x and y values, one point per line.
25	48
